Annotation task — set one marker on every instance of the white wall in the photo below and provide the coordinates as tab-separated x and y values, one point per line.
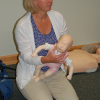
82	18
10	12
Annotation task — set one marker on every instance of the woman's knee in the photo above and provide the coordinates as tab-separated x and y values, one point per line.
39	91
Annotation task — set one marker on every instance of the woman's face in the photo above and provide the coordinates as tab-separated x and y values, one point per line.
43	5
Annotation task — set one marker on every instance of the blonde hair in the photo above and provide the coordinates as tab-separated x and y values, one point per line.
30	6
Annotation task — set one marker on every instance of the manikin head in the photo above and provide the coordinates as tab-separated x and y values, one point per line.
64	43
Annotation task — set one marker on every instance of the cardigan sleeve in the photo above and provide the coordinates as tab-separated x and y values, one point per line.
24	46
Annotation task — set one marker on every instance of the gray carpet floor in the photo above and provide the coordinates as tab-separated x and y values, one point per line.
86	85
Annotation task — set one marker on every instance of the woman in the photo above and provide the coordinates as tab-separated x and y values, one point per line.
41	25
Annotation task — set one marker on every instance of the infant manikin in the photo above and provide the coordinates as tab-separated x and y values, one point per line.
63	45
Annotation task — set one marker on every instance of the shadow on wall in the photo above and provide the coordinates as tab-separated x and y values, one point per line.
13	32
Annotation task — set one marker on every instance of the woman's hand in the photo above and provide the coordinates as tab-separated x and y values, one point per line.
52	58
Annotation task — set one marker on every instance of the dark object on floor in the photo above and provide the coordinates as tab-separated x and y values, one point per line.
6	85
1	96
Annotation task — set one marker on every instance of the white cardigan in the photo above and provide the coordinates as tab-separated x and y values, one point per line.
25	41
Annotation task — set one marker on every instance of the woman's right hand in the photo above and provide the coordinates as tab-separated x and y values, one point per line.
52	58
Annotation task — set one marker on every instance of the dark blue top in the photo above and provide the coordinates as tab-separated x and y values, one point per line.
41	39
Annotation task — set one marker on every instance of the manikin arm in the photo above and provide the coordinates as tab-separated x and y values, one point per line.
71	69
38	49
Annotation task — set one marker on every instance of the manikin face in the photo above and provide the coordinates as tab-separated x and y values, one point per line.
43	5
64	44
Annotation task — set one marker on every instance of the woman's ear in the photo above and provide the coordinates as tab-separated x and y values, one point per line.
35	2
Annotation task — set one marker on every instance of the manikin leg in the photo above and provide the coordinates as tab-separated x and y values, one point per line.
43	76
37	71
